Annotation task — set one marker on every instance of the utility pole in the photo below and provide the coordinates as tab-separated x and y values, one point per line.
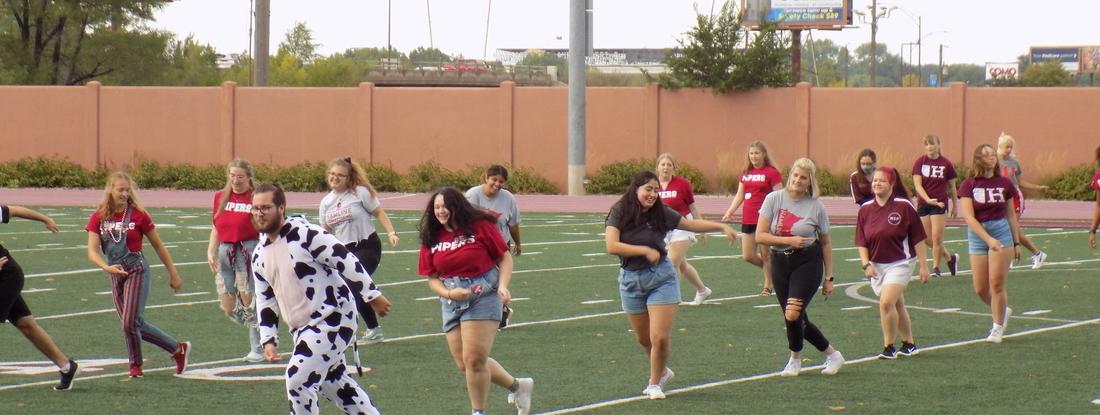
847	60
874	29
263	35
940	79
577	99
920	72
796	55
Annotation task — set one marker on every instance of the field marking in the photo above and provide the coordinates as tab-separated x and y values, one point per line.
36	290
1035	312
589	302
112	310
763	376
858	307
766	305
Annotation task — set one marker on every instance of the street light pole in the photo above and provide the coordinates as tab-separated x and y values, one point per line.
874	28
920	71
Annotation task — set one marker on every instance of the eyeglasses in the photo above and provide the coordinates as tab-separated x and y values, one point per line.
262	210
338	175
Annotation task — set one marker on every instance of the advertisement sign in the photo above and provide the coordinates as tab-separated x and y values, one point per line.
1067	56
1090	59
798	14
1001	70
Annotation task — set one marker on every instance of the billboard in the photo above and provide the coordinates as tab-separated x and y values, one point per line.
995	70
798	14
1067	56
1090	59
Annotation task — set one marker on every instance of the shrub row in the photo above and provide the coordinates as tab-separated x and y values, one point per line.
302	177
615	177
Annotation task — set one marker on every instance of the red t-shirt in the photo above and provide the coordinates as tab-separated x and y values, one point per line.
678	196
757	184
935	175
1096	182
989	195
140	224
234	224
459	255
890	232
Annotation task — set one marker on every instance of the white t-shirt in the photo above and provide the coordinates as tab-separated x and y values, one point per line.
348	213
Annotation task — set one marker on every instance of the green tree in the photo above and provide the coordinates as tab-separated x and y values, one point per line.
240	72
72	42
711	56
968	73
887	67
538	58
191	64
422	56
299	42
335	70
372	57
1046	74
823	63
287	70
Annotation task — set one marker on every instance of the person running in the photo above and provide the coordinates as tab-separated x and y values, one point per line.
229	252
346	211
115	231
300	272
758	178
649	288
934	180
889	235
793	222
676	193
859	182
15	310
467	263
1095	184
986	202
493	197
1010	168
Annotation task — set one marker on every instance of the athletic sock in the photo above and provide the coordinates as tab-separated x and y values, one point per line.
68	366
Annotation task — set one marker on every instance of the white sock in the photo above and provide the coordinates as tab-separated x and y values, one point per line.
997	326
68	366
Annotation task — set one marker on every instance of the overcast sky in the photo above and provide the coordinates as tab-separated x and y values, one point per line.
974	31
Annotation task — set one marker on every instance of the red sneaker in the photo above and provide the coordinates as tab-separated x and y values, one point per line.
181	356
135	372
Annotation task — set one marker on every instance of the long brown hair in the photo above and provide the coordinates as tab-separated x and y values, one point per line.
859	169
759	145
228	189
356	175
976	166
106	209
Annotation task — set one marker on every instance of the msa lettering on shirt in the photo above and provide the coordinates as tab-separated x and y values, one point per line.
754	178
989	194
786	221
932	171
894	218
114	226
667	194
238	207
453	245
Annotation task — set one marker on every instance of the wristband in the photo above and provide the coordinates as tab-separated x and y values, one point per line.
829	279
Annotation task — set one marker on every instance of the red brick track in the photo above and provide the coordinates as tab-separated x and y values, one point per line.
1040	213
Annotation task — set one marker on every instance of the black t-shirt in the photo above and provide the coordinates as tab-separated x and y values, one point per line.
643	233
5	216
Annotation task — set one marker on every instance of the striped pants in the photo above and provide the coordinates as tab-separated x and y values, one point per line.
130	293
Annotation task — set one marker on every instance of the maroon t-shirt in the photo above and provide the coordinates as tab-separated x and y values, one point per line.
890	232
234	223
861	189
935	175
140	224
459	255
678	195
757	183
990	195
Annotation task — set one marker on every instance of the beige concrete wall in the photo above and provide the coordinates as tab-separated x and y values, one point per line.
527	126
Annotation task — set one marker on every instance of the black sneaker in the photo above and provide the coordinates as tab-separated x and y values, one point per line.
953	264
888	353
504	317
908	349
67	378
936	272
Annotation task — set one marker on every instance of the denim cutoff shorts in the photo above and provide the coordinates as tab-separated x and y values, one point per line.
654	285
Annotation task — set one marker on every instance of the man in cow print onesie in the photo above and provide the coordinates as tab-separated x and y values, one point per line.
297	268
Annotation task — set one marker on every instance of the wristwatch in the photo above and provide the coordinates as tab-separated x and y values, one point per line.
829	279
865	266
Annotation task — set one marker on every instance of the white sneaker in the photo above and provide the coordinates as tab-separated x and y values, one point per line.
1038	259
253	357
995	334
665	377
793	367
1008	313
521	398
700	297
653	392
1096	401
372	336
833	363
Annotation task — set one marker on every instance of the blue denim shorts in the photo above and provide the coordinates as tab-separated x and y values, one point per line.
999	229
235	272
483	304
655	285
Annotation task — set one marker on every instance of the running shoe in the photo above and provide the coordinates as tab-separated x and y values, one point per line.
67	377
700	297
1038	259
793	367
953	264
135	372
888	353
665	377
653	392
908	349
181	356
522	396
833	362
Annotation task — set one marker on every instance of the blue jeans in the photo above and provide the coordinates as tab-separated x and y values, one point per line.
656	285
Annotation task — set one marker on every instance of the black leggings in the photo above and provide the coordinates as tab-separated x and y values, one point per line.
12	306
796	277
369	252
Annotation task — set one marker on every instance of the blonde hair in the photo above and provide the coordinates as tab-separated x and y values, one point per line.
1006	139
238	163
666	156
106	209
759	145
356	176
808	167
931	139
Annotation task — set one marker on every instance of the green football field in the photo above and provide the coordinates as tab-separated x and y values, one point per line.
569	333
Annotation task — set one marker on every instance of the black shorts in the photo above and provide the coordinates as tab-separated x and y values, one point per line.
368	251
927	210
748	228
12	306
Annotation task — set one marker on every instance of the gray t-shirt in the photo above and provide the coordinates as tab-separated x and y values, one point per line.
1011	169
789	217
504	204
642	234
348	214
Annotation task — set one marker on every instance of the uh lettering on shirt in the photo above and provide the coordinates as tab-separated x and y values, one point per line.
932	171
453	245
238	207
989	194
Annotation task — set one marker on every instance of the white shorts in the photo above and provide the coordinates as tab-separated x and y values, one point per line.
899	273
677	235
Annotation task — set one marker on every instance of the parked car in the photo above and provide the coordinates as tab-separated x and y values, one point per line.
467	65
